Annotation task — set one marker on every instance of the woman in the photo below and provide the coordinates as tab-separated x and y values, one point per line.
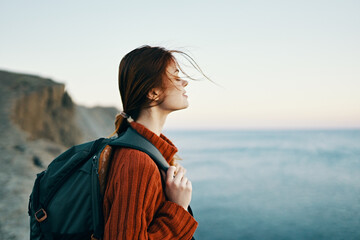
135	204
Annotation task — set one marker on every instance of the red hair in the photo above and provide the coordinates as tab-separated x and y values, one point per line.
141	70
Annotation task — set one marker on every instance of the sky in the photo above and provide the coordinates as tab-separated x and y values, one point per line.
278	64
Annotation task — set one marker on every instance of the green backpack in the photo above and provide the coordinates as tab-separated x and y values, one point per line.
66	202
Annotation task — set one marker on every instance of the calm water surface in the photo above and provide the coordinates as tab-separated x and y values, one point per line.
273	184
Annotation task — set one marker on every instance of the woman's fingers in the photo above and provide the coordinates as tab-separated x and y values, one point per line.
178	167
170	174
184	181
178	177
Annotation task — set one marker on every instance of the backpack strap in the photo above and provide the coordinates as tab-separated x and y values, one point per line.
40	214
132	139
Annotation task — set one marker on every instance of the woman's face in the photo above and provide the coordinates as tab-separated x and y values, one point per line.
174	94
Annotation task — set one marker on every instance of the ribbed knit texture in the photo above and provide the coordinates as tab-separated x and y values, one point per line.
135	205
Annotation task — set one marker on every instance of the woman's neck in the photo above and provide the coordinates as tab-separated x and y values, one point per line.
152	119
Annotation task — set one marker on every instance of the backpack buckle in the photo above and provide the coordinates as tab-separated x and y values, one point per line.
40	215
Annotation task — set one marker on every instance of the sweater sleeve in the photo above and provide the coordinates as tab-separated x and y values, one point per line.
139	209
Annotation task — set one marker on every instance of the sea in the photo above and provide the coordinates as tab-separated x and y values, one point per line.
273	184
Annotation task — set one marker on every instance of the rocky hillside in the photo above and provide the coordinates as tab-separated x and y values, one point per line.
38	120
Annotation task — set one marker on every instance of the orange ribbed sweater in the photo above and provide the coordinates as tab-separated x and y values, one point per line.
135	205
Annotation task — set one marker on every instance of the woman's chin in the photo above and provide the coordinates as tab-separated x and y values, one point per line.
182	107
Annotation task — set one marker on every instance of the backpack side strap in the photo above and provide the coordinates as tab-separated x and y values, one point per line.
40	213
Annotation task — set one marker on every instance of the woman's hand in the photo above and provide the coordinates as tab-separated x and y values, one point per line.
178	188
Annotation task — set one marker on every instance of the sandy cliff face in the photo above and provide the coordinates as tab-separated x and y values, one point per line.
38	121
48	113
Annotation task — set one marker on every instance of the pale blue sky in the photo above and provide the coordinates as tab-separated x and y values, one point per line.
283	64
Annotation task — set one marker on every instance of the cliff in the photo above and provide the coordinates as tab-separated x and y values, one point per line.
45	110
38	121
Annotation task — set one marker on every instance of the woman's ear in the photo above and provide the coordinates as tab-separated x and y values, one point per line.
154	94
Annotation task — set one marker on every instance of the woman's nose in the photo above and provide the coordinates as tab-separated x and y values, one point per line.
185	83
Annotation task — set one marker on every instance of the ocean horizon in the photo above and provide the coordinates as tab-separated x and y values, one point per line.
273	184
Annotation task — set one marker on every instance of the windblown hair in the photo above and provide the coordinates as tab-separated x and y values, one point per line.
141	70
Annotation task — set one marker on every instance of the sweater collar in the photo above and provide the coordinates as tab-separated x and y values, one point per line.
162	143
